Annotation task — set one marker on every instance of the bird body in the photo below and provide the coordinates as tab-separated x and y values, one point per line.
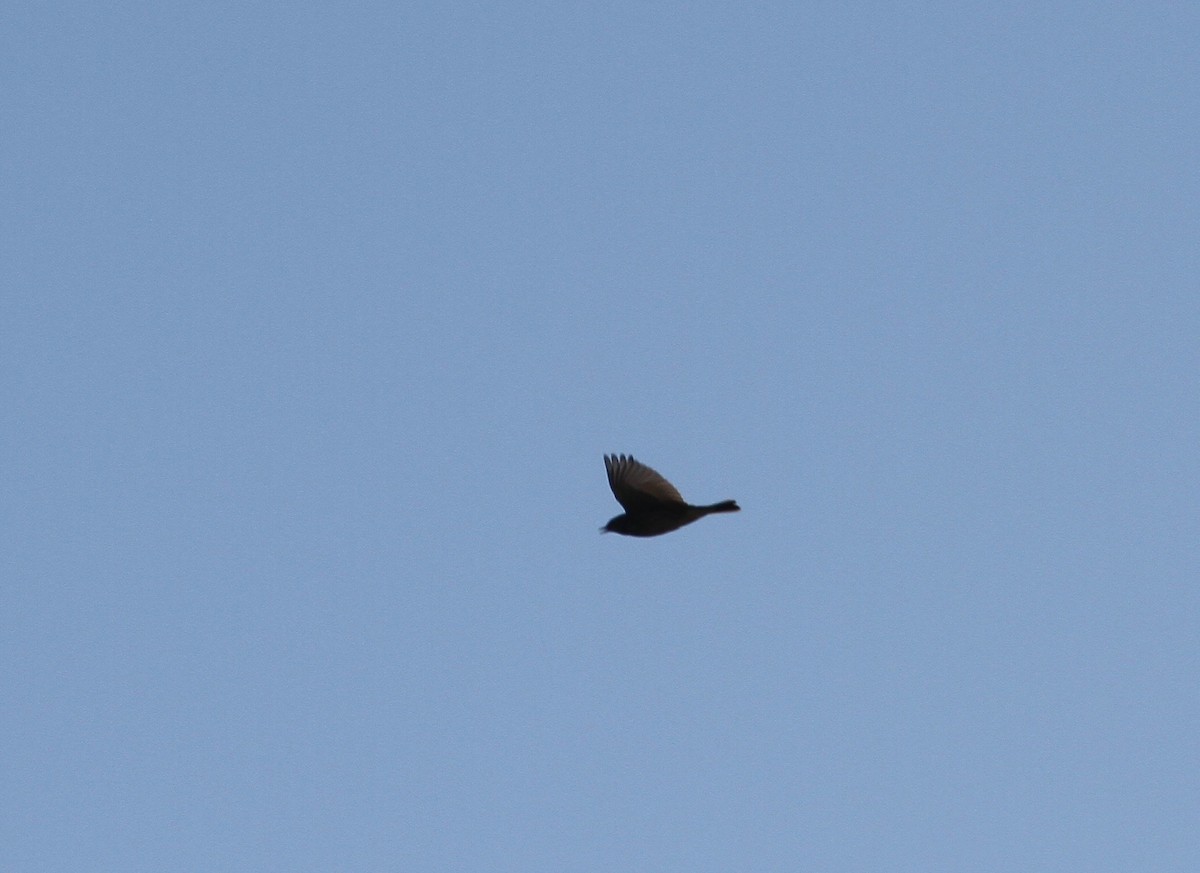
652	505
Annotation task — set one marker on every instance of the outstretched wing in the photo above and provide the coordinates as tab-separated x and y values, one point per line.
635	485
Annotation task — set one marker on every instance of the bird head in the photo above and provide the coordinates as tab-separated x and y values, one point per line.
616	524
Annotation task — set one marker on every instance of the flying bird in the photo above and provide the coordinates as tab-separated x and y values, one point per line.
652	505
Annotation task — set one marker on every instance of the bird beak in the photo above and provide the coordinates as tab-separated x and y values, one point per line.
603	530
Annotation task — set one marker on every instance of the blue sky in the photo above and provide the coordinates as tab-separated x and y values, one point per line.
317	322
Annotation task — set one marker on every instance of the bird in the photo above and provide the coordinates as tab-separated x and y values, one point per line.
652	504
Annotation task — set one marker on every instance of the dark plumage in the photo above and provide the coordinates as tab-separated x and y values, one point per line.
652	505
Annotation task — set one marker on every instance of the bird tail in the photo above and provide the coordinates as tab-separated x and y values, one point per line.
723	506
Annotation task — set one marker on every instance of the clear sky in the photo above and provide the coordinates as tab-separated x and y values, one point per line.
317	320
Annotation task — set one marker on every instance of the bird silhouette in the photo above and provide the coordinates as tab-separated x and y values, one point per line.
652	504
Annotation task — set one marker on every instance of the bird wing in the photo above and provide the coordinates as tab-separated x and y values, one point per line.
634	484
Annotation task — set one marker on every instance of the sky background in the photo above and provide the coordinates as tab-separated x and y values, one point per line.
317	320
